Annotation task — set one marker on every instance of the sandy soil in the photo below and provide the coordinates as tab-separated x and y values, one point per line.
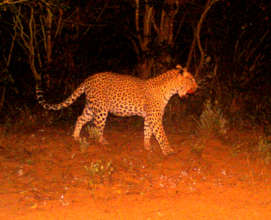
44	174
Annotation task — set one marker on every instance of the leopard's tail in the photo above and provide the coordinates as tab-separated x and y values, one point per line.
71	99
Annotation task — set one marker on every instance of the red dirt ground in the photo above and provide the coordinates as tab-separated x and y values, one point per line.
44	174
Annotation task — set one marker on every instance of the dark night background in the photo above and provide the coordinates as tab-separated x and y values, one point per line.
85	37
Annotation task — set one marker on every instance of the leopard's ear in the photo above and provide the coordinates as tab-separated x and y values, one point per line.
180	68
186	73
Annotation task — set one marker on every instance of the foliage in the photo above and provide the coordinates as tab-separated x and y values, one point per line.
93	134
99	171
242	61
264	147
198	147
92	131
212	120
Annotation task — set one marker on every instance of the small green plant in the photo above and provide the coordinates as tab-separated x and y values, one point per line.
199	146
212	119
264	148
92	132
236	148
99	171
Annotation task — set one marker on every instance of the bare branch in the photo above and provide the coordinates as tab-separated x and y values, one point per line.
59	22
208	6
137	21
9	2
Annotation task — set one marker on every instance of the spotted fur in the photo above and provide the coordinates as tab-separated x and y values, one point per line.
125	95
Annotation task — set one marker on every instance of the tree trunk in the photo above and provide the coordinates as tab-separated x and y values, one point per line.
155	36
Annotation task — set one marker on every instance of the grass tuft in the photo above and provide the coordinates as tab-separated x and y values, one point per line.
99	171
264	148
212	120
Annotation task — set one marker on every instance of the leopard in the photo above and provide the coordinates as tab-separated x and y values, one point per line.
125	95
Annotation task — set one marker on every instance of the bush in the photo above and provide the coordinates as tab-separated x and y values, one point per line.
212	120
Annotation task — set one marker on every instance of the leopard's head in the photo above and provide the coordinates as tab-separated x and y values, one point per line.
187	82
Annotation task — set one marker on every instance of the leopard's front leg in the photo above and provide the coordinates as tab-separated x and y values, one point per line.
147	134
153	124
161	137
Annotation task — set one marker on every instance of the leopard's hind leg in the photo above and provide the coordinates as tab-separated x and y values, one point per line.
85	117
100	116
